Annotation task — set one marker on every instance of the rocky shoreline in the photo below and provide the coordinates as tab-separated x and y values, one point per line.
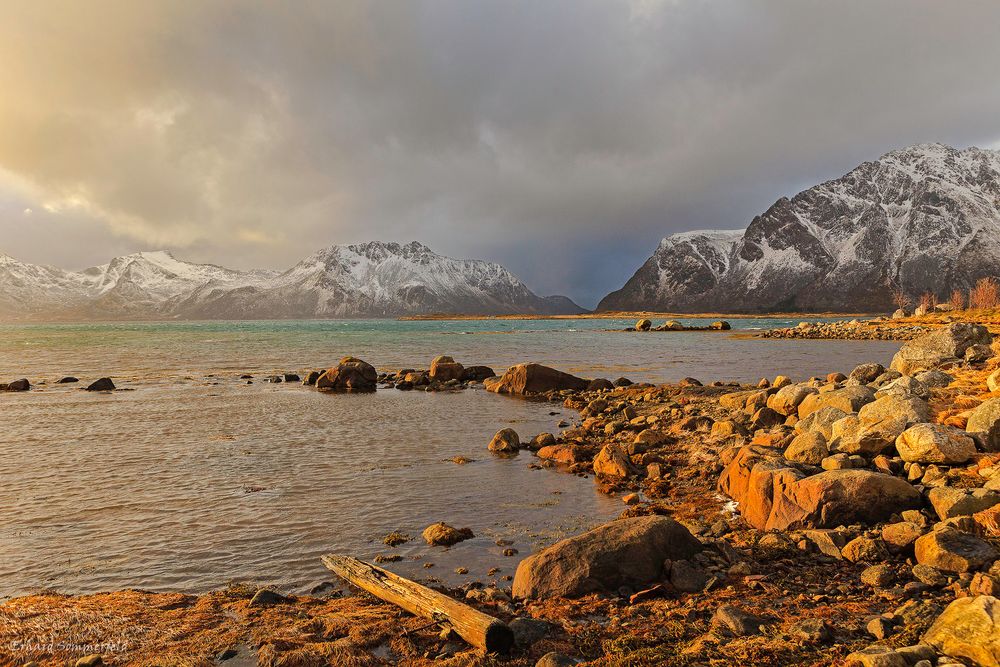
899	326
852	519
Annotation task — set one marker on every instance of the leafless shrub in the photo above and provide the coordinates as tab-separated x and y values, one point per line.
899	297
957	299
985	295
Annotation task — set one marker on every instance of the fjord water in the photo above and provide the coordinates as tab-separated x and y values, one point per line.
190	478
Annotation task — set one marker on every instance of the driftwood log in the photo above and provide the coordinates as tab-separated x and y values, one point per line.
479	629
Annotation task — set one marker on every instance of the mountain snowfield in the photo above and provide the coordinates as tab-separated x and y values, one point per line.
364	280
924	218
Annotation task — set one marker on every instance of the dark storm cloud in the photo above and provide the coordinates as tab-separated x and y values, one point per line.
562	138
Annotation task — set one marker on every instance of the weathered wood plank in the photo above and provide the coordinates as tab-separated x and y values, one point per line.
479	629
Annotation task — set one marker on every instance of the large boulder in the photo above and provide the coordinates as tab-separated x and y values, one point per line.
985	419
351	374
776	494
643	325
809	447
952	550
904	386
849	399
444	368
968	629
627	552
914	409
935	443
938	347
535	379
787	399
950	502
850	436
821	421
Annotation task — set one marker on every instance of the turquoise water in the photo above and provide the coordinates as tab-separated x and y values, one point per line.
149	351
189	478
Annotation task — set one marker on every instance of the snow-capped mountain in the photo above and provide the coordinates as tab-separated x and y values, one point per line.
924	218
365	280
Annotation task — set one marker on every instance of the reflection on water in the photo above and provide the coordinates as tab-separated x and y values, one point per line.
187	488
194	479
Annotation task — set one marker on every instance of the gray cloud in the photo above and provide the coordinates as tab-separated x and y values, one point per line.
562	138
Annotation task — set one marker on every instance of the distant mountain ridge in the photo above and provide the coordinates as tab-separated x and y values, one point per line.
363	280
924	218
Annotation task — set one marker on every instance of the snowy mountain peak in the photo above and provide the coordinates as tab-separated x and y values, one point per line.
925	217
375	279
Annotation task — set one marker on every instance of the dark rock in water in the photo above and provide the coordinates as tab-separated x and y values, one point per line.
721	325
265	597
291	377
352	374
246	376
403	385
477	373
643	325
311	378
535	379
623	382
104	384
69	379
16	385
626	552
275	379
600	384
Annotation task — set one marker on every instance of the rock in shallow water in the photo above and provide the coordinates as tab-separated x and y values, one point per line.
534	379
506	441
351	374
442	535
104	384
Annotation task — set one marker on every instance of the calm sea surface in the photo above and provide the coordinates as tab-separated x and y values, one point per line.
190	478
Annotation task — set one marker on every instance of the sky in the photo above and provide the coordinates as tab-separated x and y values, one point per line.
561	138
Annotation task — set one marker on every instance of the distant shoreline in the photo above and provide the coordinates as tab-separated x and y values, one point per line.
611	315
618	315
